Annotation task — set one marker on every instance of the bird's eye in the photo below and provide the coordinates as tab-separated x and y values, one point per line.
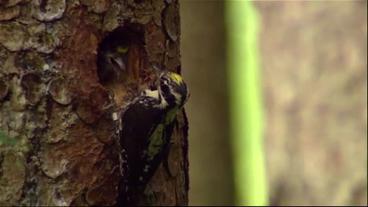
164	87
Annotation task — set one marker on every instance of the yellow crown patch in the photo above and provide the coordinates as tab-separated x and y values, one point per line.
122	49
176	77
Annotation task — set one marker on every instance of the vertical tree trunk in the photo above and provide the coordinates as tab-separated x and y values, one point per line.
57	132
206	69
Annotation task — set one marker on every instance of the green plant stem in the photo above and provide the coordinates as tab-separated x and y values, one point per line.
246	103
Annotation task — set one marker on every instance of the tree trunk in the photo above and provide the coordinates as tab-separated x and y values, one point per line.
58	140
207	75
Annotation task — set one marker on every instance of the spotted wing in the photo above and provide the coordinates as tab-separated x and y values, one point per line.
140	121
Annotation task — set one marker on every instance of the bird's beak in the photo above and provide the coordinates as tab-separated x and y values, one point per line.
118	63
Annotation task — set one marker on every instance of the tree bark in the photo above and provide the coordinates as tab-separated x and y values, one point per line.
58	140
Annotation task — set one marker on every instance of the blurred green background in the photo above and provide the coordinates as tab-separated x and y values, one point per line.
278	106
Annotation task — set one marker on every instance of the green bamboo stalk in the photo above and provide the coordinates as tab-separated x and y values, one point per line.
246	113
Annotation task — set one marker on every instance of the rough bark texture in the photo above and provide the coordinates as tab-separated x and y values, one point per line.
314	58
58	140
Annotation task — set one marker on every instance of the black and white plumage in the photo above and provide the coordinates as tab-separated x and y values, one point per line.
147	126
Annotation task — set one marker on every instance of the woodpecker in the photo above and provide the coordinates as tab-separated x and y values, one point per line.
112	61
147	126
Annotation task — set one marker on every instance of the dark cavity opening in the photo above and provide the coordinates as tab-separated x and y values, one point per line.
119	55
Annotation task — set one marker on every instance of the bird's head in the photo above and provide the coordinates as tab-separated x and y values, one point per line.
173	89
115	58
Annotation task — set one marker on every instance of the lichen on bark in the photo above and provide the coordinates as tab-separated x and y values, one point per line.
57	134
